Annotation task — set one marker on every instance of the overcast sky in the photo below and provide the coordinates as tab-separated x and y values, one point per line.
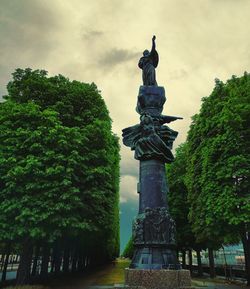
101	41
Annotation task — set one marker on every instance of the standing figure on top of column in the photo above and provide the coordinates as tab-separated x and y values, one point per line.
148	62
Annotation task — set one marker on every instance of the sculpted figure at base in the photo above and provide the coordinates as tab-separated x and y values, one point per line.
148	62
154	226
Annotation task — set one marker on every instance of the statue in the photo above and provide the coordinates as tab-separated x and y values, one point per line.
138	230
152	140
148	62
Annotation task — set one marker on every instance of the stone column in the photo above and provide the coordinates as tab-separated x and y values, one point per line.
154	261
152	187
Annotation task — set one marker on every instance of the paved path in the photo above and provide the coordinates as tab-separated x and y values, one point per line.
114	274
224	286
216	284
109	275
106	277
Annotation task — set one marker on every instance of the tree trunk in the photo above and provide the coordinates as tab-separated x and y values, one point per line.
6	261
246	246
74	260
66	259
211	263
80	263
23	272
57	259
45	261
52	268
190	260
16	259
12	259
177	255
225	263
200	270
183	258
2	262
34	266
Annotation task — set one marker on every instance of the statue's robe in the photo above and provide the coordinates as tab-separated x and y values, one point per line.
148	64
150	144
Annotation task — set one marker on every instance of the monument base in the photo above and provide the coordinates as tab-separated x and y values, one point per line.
157	279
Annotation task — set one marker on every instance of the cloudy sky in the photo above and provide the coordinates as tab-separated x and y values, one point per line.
101	41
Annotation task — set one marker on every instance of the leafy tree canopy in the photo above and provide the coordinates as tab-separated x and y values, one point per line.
59	162
177	198
218	167
129	249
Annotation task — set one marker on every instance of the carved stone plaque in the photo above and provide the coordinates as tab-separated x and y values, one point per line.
154	226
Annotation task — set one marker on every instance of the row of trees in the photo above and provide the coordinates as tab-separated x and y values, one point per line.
209	181
59	175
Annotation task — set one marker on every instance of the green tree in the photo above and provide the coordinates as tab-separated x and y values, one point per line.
177	198
218	167
179	206
129	249
59	166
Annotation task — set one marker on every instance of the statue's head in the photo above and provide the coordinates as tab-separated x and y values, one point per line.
146	53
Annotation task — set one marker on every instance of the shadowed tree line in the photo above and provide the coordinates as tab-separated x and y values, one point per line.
59	176
209	179
129	249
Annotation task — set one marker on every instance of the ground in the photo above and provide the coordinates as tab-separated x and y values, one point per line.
114	274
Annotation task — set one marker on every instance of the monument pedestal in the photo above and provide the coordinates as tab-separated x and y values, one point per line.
157	279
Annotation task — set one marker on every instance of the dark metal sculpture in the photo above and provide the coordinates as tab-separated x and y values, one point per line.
148	62
153	229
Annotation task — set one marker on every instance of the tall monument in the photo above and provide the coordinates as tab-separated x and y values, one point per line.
151	141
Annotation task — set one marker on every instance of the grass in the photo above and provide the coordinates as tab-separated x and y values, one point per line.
27	287
115	274
199	283
109	275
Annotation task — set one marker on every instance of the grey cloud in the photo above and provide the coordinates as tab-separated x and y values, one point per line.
27	31
83	39
129	170
2	93
128	166
128	188
92	34
26	11
177	74
117	56
26	25
128	212
4	79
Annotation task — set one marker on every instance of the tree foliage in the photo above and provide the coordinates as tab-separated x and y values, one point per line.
179	206
177	198
129	249
218	168
59	165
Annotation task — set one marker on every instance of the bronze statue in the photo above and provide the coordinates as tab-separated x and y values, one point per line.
148	62
152	140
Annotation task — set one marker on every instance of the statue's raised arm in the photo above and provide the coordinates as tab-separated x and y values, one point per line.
148	62
154	54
